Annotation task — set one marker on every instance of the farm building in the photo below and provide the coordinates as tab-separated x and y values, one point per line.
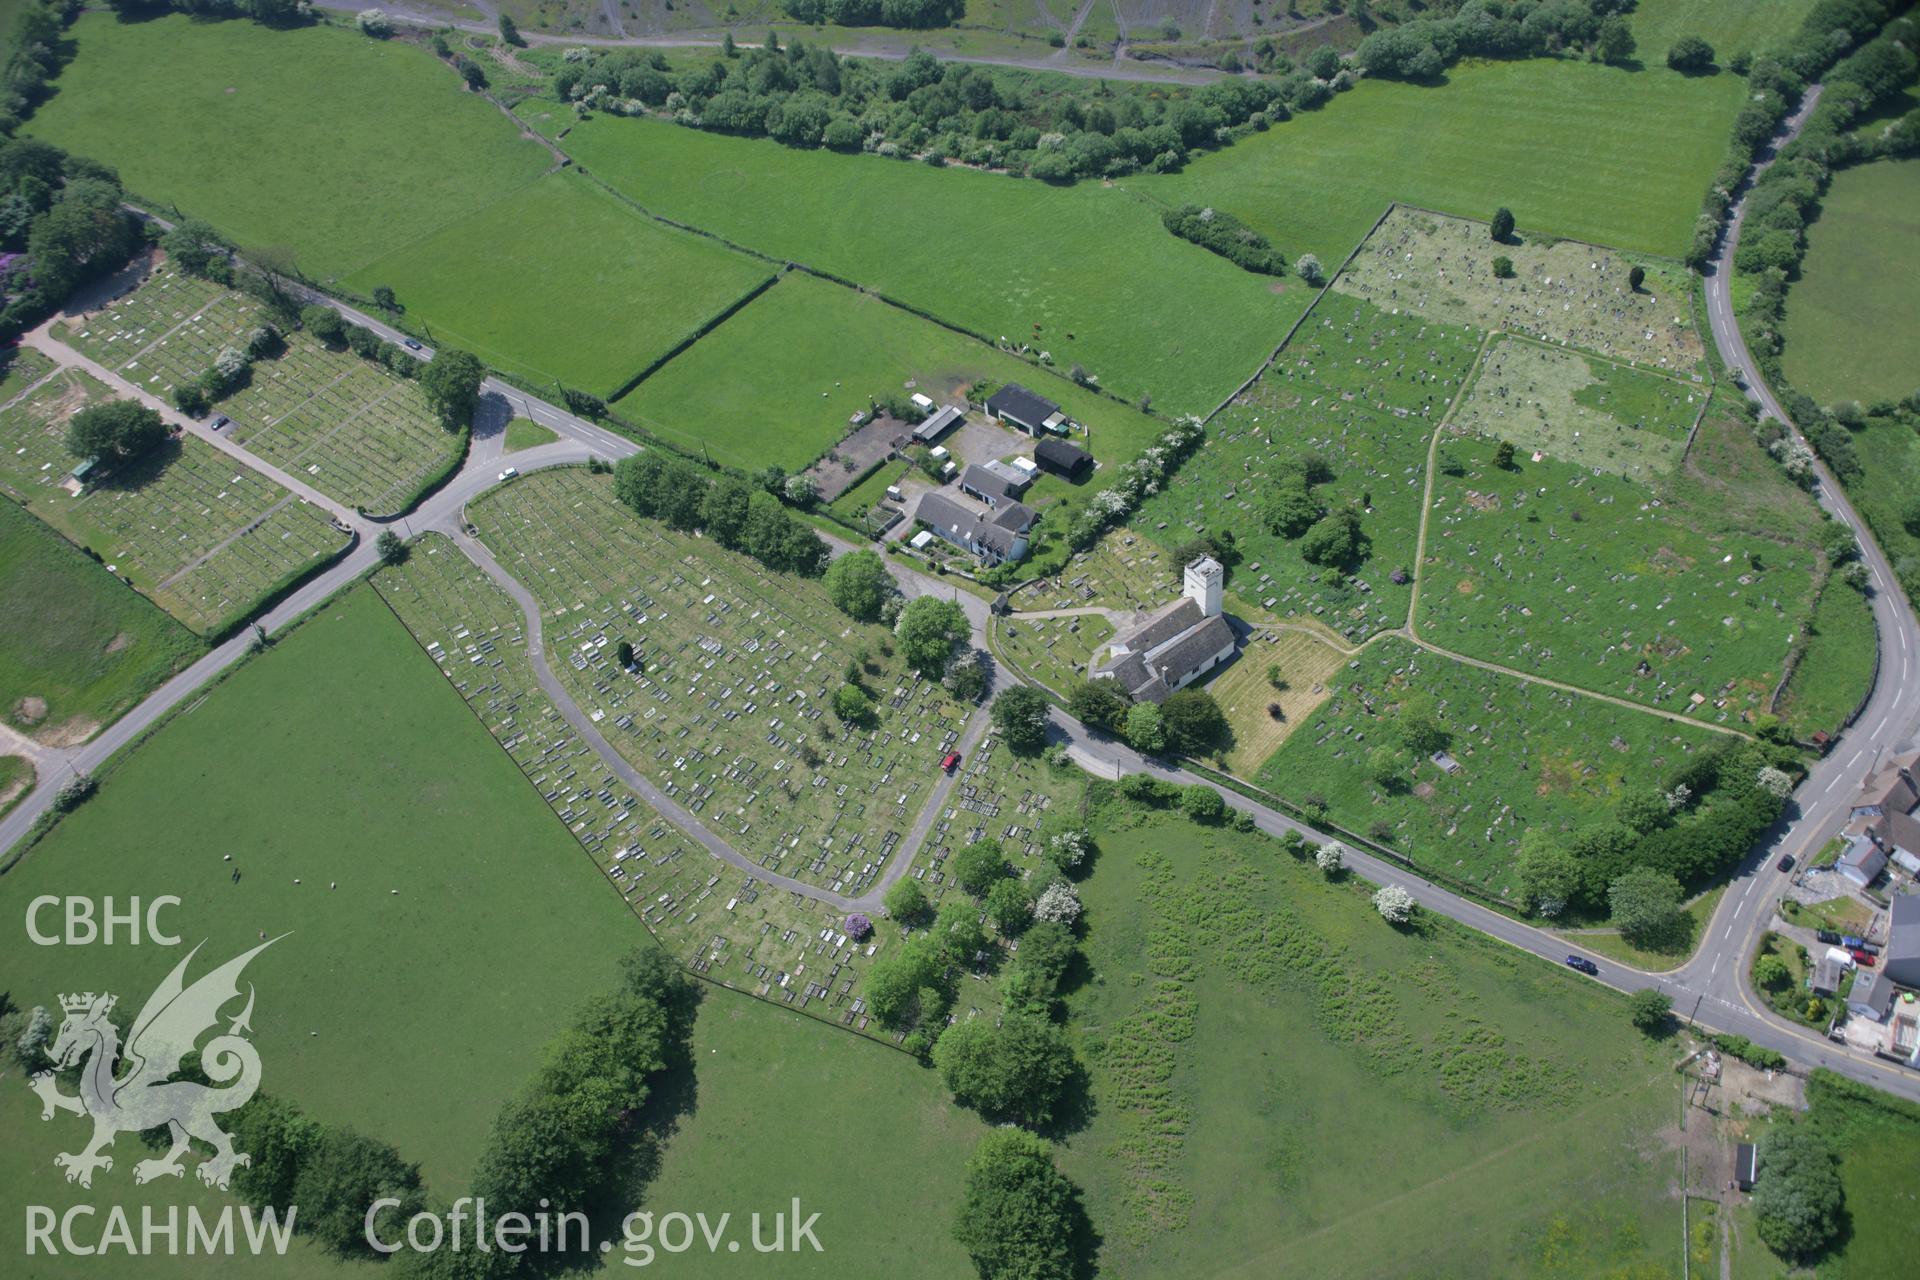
1062	459
994	482
1026	411
993	537
937	424
1177	644
1746	1166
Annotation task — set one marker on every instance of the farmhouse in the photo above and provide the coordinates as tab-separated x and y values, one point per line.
994	482
992	537
1062	459
1026	411
1177	644
937	424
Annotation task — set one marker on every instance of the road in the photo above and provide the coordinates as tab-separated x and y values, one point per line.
1710	989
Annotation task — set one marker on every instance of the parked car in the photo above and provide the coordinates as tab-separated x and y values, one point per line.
1785	863
1827	936
1864	958
509	474
1584	965
1852	943
222	421
951	762
413	345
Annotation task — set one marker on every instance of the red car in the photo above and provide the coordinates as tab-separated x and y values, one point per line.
952	761
1863	958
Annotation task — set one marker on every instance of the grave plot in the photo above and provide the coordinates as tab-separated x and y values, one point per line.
1055	651
1585	411
1610	585
1563	292
1359	390
353	429
720	922
727	706
202	535
1514	756
356	431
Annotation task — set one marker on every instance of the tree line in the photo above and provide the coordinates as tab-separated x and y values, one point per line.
735	512
63	214
1425	47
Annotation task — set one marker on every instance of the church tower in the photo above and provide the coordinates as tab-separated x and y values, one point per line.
1205	580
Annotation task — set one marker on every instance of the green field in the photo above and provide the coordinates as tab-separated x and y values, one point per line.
1530	756
77	648
1574	149
560	280
1730	26
1837	669
438	915
525	433
1853	311
1287	1086
778	381
1085	273
338	148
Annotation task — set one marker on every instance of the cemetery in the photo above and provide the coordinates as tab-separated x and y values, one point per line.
726	705
727	926
354	430
1281	677
1580	409
1052	648
1562	292
199	533
1523	756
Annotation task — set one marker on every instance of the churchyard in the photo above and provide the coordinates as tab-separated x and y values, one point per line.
1264	706
1053	650
1361	390
723	924
1604	583
1524	755
1579	409
1562	291
354	430
726	709
204	536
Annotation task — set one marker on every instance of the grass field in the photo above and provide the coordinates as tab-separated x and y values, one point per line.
1287	1086
778	381
1852	313
1657	594
76	647
1574	149
1728	25
1248	697
525	433
382	148
203	536
1145	314
559	280
416	870
1530	756
1836	670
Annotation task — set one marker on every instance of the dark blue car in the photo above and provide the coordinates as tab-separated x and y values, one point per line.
1584	965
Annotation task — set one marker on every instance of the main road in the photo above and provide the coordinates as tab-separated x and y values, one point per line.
1710	989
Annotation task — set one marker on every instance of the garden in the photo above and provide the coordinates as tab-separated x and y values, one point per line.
201	535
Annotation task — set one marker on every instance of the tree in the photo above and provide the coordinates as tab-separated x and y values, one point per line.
451	382
1202	804
906	901
343	1174
1636	276
957	933
1649	1008
194	246
1193	720
1009	906
1691	55
325	324
1503	267
1309	268
1015	1071
509	31
1290	508
390	548
1503	455
1419	727
383	298
850	704
1099	704
859	583
967	676
979	866
1643	903
1385	764
623	654
1771	972
1020	716
1394	904
1549	877
929	628
1059	903
1335	541
1018	1217
84	235
1331	857
1145	728
1614	43
1502	226
116	432
1798	1200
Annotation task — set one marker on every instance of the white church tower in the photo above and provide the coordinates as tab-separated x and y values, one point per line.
1204	582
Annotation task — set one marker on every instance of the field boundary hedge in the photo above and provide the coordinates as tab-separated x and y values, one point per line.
700	331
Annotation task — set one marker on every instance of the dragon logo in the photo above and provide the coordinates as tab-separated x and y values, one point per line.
145	1096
